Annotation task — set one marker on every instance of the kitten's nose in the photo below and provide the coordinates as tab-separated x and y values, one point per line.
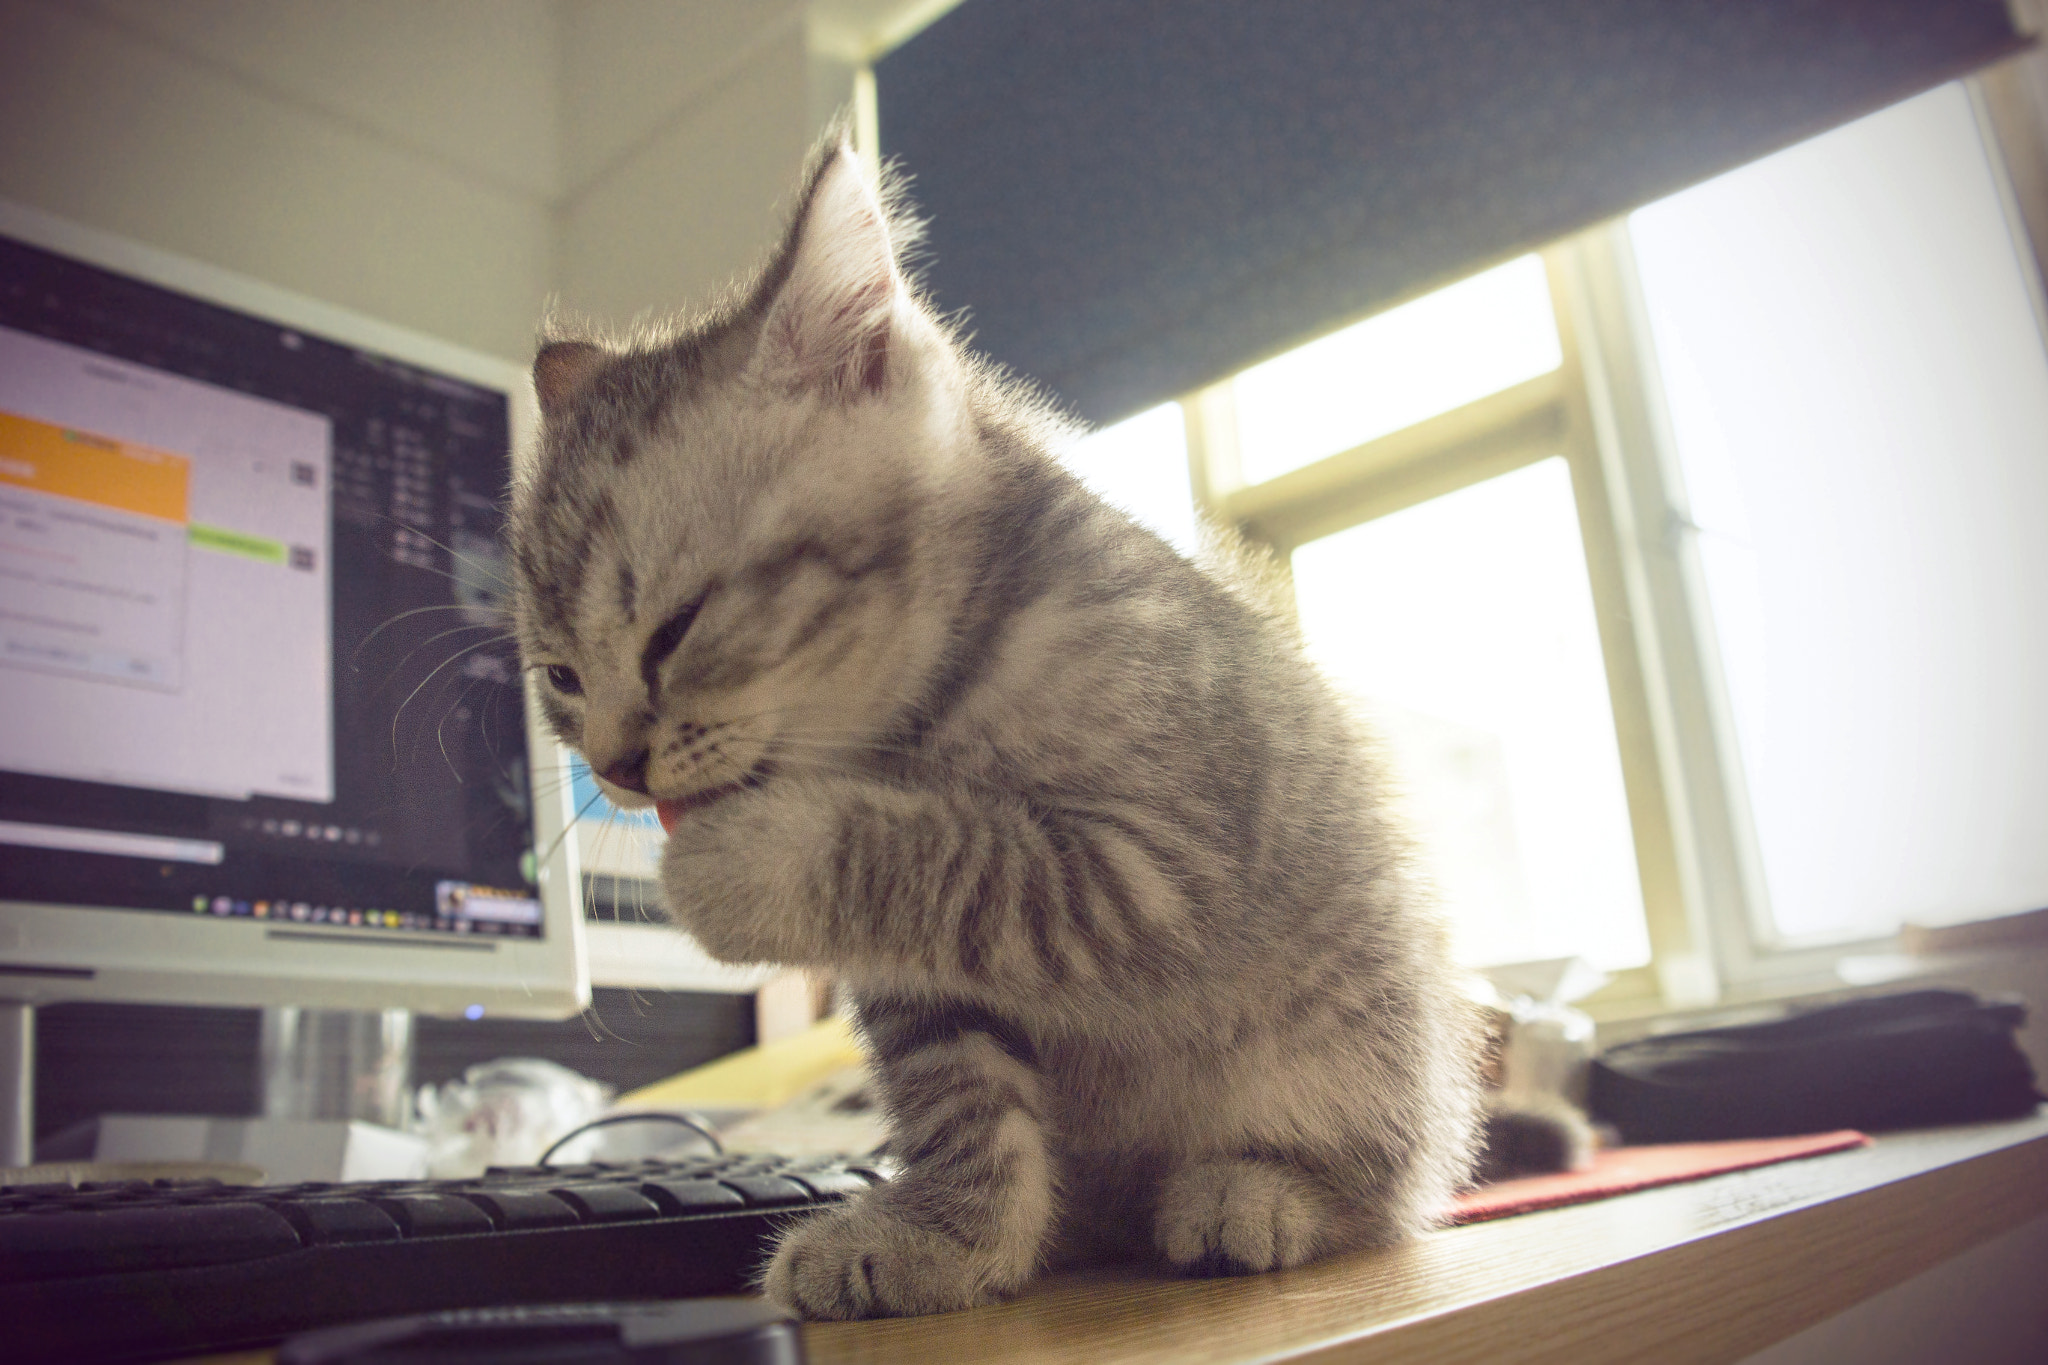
630	773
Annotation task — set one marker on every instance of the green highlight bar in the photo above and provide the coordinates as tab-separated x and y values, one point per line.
237	543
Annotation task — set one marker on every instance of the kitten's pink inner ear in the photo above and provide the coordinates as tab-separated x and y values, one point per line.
831	320
562	370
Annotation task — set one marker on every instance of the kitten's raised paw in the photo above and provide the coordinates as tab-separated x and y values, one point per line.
1236	1218
854	1263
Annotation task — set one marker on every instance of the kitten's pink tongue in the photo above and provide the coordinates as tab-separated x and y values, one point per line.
675	808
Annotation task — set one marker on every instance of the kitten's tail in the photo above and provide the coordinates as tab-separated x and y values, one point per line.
1532	1135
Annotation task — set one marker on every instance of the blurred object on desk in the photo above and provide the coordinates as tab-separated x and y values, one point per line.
504	1113
1908	1060
840	1114
753	1078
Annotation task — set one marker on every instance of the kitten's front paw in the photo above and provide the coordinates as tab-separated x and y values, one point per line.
737	877
1236	1218
853	1263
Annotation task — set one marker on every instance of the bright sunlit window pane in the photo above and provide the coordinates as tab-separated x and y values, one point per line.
1444	350
1464	627
1141	465
1860	398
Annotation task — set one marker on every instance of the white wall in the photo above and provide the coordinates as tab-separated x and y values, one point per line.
469	82
448	165
669	198
104	122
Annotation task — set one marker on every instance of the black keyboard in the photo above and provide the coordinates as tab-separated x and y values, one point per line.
132	1270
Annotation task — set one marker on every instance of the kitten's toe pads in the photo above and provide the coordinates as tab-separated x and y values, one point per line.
1236	1218
857	1263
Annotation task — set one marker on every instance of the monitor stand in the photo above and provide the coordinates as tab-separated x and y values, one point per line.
336	1064
17	1083
313	1064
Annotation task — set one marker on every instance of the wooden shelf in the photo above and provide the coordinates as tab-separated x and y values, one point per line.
1712	1270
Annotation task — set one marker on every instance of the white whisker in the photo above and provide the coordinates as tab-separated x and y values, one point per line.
395	715
355	658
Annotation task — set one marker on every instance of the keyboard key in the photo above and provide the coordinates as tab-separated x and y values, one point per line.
325	1222
606	1203
433	1215
90	1199
156	1239
229	1194
878	1169
691	1196
831	1184
767	1190
515	1209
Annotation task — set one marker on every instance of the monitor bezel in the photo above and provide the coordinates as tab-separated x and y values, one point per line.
51	953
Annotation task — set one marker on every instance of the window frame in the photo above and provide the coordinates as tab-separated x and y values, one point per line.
1705	902
1548	415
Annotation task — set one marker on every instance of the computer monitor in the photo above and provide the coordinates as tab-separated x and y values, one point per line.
263	735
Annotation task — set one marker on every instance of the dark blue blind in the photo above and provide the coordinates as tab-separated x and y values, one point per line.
1134	197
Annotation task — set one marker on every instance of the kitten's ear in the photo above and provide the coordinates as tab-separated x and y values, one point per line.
562	370
829	319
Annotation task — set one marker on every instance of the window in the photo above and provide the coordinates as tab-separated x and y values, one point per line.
1859	399
1394	369
1427	495
1688	568
1463	627
1141	466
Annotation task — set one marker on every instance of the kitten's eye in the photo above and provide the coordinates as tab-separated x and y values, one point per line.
564	680
663	642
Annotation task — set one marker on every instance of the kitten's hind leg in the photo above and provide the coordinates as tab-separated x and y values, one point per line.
1238	1217
964	1223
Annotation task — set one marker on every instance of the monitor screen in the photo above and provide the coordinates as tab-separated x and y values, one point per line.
254	660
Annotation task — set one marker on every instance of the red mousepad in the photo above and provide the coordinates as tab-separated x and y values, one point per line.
1621	1169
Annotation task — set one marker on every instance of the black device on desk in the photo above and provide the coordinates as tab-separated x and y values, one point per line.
134	1270
685	1332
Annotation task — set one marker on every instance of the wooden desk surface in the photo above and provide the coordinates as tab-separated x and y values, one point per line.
1707	1271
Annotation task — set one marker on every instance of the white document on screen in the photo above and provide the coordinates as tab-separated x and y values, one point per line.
165	566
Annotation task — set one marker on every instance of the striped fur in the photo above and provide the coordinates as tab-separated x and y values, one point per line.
1098	855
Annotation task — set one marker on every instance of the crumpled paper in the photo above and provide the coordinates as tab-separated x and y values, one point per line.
503	1113
1549	1047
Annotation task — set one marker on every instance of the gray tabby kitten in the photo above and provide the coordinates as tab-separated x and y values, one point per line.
1091	845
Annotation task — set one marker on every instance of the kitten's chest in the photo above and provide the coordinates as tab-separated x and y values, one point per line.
1119	1099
